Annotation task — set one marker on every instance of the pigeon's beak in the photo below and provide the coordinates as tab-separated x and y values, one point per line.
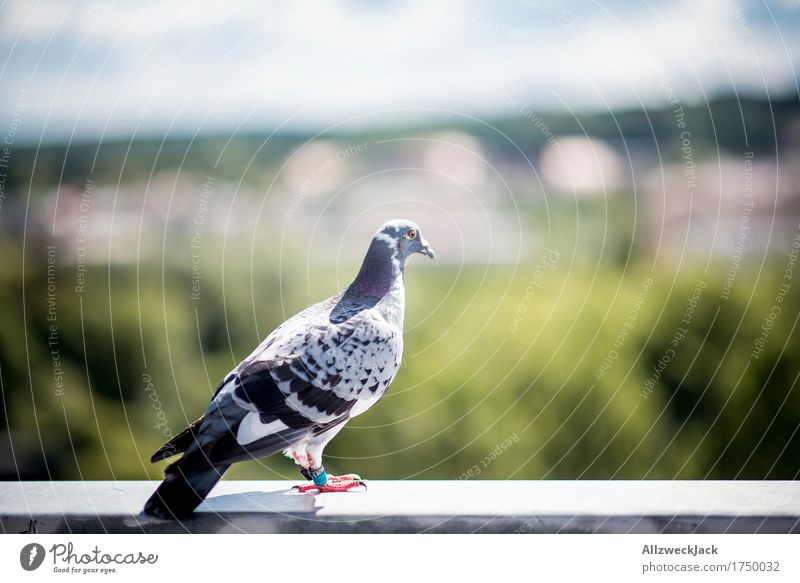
426	249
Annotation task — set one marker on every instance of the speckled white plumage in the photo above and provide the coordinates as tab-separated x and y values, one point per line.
356	360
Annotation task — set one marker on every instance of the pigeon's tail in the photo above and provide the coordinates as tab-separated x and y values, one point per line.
183	489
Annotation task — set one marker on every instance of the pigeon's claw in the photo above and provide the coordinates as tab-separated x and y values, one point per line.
334	484
342	486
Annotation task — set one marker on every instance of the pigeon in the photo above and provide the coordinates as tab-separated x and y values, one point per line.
300	386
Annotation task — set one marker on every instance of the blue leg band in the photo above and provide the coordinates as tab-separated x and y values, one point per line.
319	476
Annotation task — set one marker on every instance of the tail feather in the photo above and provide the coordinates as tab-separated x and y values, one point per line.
183	490
178	444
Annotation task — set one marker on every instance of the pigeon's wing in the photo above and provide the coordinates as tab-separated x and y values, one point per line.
302	381
329	370
234	429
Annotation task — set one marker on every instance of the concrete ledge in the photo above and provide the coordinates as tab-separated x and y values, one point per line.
416	506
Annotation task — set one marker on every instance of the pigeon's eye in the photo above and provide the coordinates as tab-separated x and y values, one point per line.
411	234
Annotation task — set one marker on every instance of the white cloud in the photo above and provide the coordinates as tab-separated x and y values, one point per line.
184	61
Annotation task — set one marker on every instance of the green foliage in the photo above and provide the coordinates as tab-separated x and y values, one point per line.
561	394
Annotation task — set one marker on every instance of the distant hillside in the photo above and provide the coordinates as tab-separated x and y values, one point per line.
732	125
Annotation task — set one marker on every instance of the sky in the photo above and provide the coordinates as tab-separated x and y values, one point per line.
111	68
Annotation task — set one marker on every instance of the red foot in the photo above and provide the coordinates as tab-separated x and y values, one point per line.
335	484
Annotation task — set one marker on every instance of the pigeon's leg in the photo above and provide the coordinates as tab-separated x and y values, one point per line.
314	475
321	481
301	459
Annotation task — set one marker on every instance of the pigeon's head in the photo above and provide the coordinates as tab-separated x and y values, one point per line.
405	238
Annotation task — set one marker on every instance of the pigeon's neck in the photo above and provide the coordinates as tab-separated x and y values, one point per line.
381	271
379	282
